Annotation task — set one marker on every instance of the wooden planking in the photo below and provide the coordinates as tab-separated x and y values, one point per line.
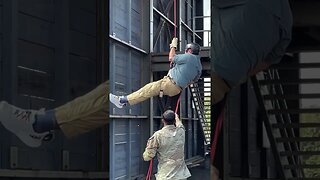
82	21
42	9
82	75
35	30
82	45
35	83
35	56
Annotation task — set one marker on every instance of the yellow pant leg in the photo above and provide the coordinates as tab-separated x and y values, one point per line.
153	89
220	88
85	113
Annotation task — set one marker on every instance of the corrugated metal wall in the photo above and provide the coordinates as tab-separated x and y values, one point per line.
128	68
48	57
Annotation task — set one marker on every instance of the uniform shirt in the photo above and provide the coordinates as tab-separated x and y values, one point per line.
168	145
246	33
186	69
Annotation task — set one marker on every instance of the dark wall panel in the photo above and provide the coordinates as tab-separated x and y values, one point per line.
42	9
34	83
37	48
82	75
35	56
85	5
234	114
82	21
35	30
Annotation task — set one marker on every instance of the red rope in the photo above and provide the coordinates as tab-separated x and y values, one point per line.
149	170
177	106
216	135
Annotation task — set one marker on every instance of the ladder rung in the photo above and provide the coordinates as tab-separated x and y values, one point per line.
305	166
289	81
201	91
292	96
296	125
297	139
294	111
299	153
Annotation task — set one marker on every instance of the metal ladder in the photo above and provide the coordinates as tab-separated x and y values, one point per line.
200	94
283	137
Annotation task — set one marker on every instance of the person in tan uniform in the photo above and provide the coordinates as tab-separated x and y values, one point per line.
76	117
168	145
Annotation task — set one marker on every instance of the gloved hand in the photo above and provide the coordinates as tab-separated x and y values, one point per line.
174	43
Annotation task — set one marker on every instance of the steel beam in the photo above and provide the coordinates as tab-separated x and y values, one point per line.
127	44
164	17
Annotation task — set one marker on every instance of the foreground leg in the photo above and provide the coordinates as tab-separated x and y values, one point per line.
84	113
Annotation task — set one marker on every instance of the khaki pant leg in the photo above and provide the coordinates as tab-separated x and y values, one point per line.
219	87
153	89
214	173
169	87
85	113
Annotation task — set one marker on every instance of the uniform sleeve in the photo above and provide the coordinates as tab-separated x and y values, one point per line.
179	124
151	148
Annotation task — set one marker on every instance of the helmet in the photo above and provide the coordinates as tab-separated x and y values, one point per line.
194	47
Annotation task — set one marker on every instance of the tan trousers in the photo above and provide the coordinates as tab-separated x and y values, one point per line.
85	113
219	88
153	89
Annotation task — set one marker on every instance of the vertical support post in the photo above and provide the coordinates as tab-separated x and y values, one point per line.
102	75
151	76
10	40
62	82
129	80
129	148
151	26
244	131
112	152
193	21
129	21
180	29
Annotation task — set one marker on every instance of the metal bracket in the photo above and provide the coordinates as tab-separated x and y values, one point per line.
65	160
13	157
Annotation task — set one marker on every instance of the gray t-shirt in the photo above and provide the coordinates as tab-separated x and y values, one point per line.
246	32
186	68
